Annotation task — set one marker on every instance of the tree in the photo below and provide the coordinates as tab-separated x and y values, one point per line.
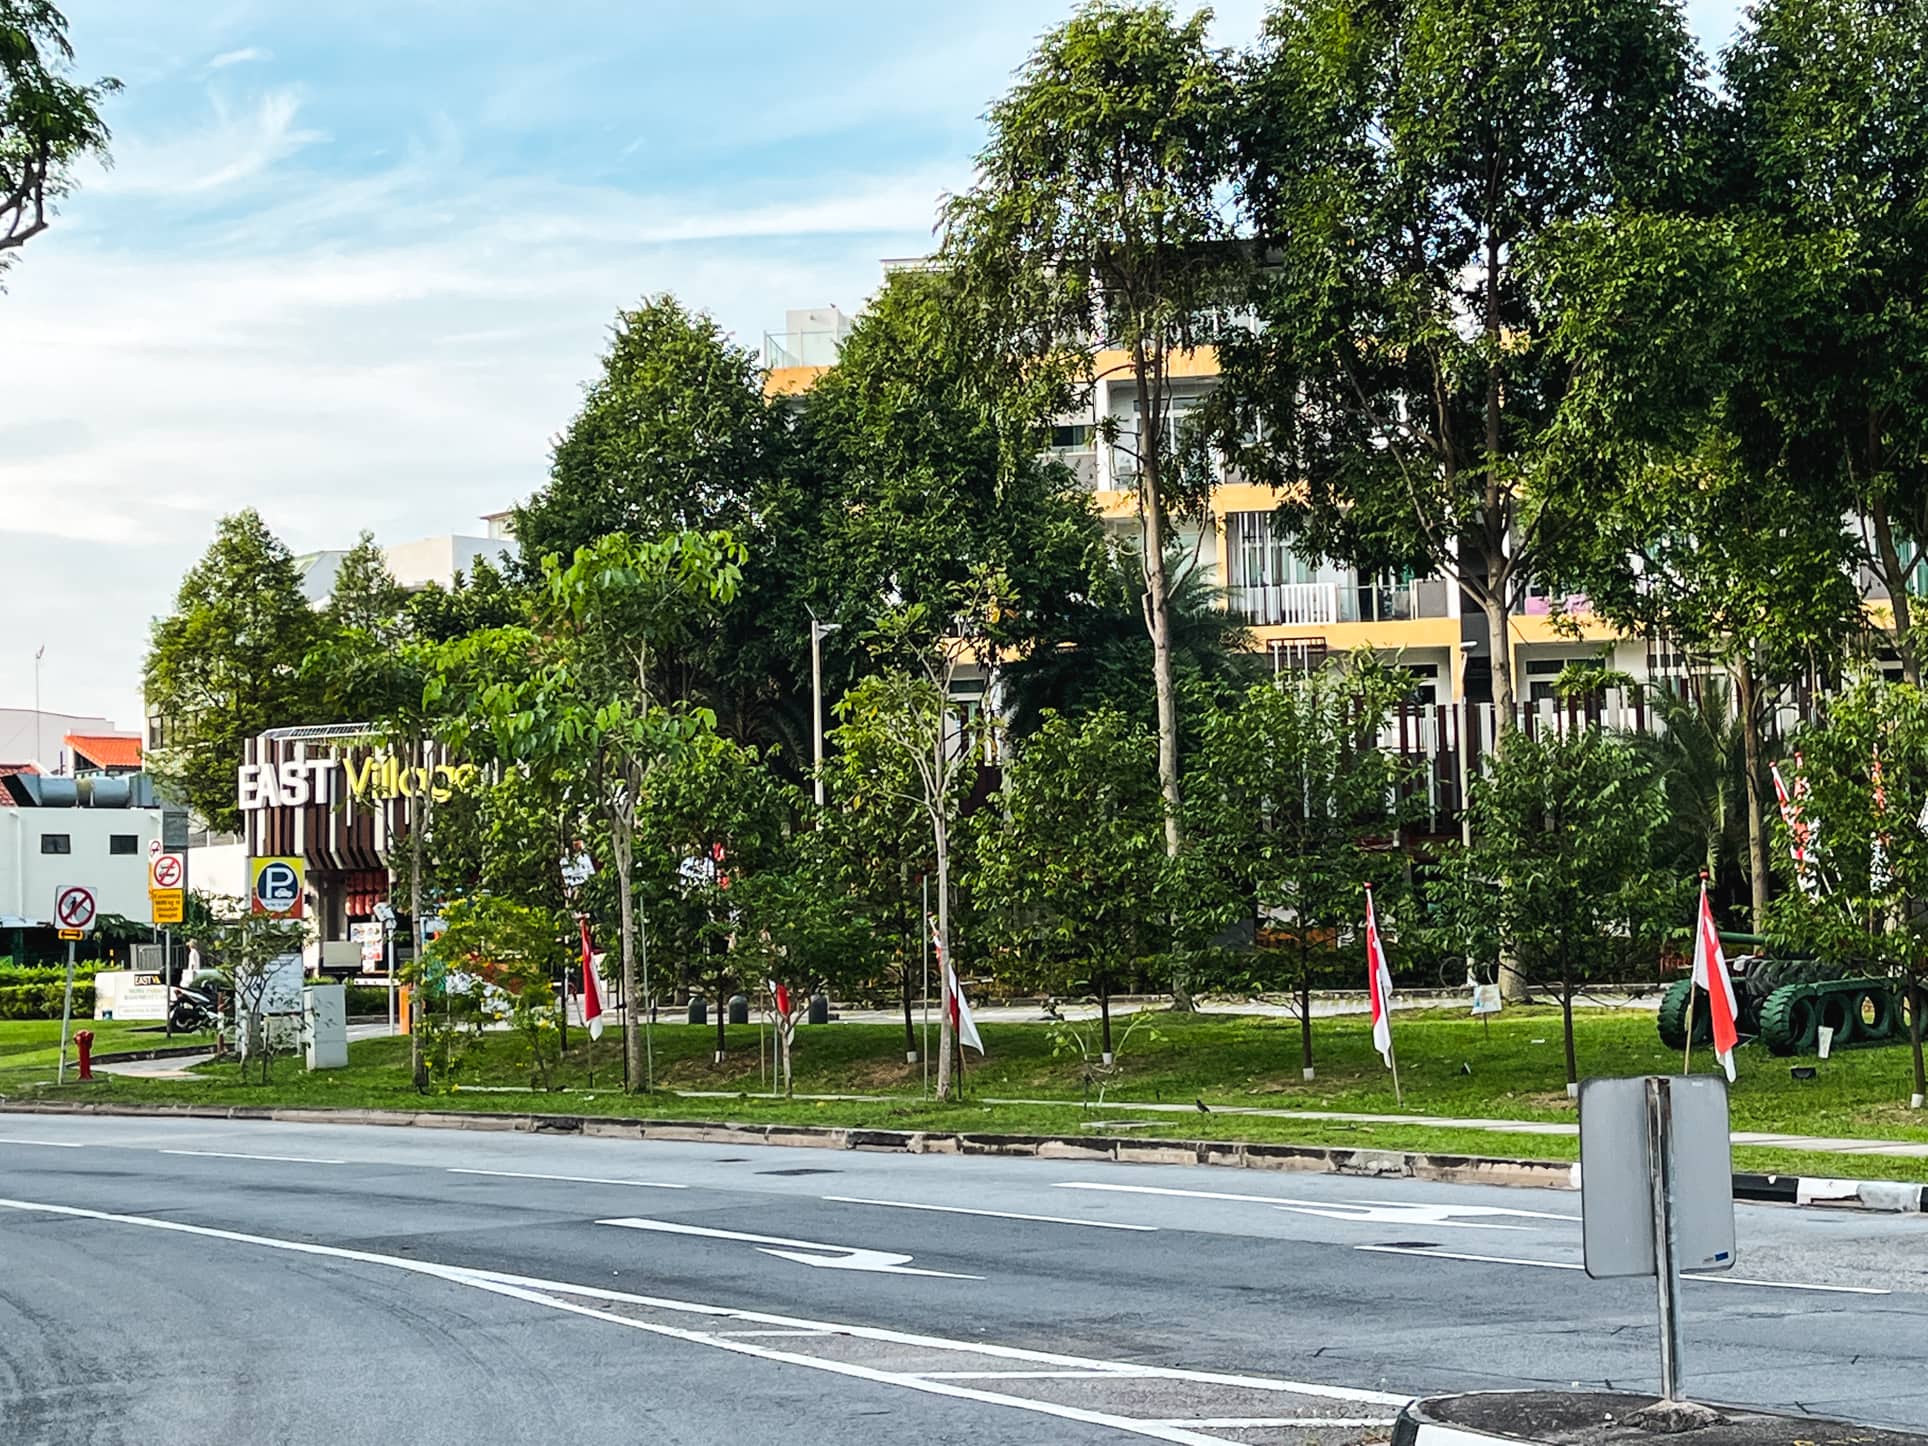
1561	870
1863	904
252	950
365	597
1098	208
1396	162
482	599
48	123
512	953
672	437
1074	861
1301	810
226	664
575	694
1831	135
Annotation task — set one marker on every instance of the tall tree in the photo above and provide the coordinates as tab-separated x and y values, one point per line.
365	597
48	123
1395	162
1098	215
226	664
1832	141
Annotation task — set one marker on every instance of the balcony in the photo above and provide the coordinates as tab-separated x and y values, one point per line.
1311	604
802	348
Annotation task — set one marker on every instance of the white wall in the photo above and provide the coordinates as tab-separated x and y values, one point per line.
438	559
22	742
220	869
29	878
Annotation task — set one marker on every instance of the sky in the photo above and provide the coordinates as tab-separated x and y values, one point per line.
355	259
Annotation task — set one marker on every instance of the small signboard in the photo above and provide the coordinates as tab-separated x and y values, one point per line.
72	935
166	871
73	909
167	906
1486	999
1618	1167
274	887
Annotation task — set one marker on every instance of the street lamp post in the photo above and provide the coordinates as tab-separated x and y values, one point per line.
818	632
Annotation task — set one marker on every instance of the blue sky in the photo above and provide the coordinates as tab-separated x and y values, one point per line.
355	259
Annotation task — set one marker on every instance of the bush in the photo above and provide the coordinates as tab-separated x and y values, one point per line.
366	999
42	1001
11	975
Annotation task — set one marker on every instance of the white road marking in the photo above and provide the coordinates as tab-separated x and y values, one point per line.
571	1179
531	1290
775	1333
463	1276
1710	1278
235	1155
1105	1375
826	1257
1391	1212
1314	1422
50	1144
995	1214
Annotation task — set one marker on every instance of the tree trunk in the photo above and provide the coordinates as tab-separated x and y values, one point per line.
1566	1022
1747	703
632	1033
418	1066
1895	578
1158	597
722	1016
1305	1002
910	1026
1515	988
946	1045
1104	1017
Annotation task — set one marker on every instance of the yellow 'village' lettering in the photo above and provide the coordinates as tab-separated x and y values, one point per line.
378	777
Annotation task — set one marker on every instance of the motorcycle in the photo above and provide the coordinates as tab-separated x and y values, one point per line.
197	1007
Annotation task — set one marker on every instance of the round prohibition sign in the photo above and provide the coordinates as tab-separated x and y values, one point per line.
167	871
74	907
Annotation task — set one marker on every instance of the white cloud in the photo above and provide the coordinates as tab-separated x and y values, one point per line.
230	146
244	56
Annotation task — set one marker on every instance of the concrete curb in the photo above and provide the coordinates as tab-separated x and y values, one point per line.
134	1056
1877	1195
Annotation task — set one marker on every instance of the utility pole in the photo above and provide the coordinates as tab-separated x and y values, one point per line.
39	653
818	632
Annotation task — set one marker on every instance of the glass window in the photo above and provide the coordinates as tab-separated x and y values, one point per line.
123	843
1072	437
56	843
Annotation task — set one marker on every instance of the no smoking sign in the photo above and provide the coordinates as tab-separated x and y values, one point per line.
166	871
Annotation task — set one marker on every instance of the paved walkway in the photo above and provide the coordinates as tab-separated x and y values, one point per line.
181	1066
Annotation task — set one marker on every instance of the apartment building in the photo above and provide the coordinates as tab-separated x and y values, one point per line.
1298	613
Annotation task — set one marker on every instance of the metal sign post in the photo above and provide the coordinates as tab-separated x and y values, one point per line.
66	1013
1657	1190
74	911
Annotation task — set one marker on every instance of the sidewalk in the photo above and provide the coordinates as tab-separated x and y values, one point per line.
180	1066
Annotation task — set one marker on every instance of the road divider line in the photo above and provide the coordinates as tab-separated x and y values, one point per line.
569	1179
466	1275
803	1252
1571	1265
819	1334
46	1144
1247	1422
236	1155
993	1214
1125	1374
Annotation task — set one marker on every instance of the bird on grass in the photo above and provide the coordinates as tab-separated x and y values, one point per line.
1203	1108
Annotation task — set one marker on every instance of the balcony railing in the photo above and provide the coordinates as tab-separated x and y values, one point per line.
802	348
1287	604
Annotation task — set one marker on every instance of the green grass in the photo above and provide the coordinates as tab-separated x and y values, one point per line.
1515	1066
30	1045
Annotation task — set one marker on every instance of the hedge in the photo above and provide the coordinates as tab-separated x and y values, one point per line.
42	1001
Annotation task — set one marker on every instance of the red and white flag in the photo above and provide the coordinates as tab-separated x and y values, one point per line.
592	986
1379	984
1710	973
1880	875
780	993
955	1003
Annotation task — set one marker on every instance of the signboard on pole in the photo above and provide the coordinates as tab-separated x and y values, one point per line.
274	887
167	906
166	870
73	909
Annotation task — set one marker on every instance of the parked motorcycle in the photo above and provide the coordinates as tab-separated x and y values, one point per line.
197	1006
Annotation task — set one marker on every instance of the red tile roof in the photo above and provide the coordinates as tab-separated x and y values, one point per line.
105	750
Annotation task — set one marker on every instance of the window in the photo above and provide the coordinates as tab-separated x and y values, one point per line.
56	843
1072	438
123	843
1259	555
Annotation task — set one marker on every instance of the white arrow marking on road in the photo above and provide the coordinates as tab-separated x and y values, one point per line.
828	1257
1399	1212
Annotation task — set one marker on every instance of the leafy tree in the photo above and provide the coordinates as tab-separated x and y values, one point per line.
1560	875
472	603
366	598
226	664
1831	134
1872	877
1099	207
1301	810
672	437
1074	861
248	949
48	123
1396	162
575	695
512	952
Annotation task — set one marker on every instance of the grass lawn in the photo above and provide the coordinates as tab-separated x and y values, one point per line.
1451	1067
29	1044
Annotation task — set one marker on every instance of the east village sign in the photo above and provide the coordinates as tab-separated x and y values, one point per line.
374	778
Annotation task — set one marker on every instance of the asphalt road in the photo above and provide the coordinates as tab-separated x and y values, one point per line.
177	1281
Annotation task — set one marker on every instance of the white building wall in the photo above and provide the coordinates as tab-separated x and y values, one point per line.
438	559
27	737
29	878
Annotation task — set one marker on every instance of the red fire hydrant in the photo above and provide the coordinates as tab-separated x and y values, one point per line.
84	1042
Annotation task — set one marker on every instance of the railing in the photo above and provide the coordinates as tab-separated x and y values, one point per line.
1287	604
801	348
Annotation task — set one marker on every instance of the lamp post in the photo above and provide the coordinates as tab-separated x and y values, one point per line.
818	632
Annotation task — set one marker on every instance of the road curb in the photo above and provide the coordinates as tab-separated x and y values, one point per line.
1875	1195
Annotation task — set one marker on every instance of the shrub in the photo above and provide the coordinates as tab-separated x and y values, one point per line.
42	1001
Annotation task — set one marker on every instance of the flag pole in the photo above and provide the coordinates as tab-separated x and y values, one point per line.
1687	1052
1392	1058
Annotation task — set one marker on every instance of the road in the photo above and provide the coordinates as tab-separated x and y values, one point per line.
202	1281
